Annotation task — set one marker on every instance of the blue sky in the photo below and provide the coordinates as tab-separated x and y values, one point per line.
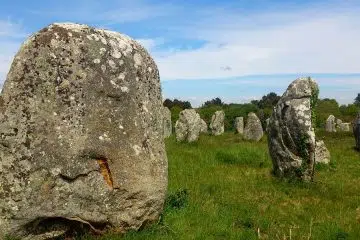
238	50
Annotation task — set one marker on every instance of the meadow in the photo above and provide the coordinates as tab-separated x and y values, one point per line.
222	188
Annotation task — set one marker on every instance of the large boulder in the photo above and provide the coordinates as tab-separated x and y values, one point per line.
253	130
291	137
187	128
356	130
322	154
167	122
203	126
81	135
239	125
217	123
330	125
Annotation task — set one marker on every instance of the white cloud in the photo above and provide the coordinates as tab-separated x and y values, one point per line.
320	41
149	43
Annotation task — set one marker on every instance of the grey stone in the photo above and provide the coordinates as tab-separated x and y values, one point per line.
217	123
253	129
203	127
291	136
322	154
187	128
239	125
267	125
356	130
345	127
167	122
81	135
338	122
330	125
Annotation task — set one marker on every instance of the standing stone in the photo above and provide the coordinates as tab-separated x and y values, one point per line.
322	154
267	125
239	125
291	136
203	127
345	127
356	130
338	122
167	122
253	129
81	126
187	128
330	125
217	123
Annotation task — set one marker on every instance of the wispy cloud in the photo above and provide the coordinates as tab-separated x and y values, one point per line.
298	41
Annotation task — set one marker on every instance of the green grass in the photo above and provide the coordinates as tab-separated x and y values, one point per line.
222	188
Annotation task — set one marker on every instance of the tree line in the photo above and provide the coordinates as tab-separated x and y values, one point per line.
263	109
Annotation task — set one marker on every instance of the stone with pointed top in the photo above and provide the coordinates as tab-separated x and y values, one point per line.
322	154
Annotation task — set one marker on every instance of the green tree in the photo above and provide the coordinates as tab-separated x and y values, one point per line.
357	100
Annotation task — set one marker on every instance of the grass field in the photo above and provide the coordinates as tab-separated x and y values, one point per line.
222	188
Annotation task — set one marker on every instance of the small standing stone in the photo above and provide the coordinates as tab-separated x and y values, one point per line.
187	128
239	125
253	129
330	124
322	154
204	126
217	123
167	122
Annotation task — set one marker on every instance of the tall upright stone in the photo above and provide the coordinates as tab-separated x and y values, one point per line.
239	125
253	130
330	125
291	136
356	130
203	126
217	123
81	135
167	122
187	128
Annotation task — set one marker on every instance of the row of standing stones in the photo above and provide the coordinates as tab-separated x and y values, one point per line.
333	125
82	134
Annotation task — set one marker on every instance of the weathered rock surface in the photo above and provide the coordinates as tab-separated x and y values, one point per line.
187	128
81	134
167	122
217	123
345	127
253	129
291	137
322	154
239	125
356	130
330	125
203	127
338	122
